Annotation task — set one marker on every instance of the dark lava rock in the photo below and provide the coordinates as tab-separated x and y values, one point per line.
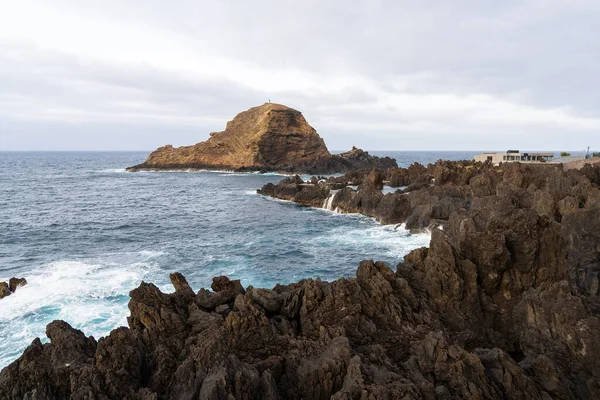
294	189
4	290
373	181
15	283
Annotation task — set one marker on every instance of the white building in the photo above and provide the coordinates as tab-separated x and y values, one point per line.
514	156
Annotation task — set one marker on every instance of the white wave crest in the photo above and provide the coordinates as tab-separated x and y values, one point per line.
91	295
396	241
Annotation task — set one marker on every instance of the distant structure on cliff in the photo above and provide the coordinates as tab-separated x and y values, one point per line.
568	162
514	156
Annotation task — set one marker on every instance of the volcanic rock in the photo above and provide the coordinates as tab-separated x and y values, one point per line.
15	283
4	290
503	304
425	331
271	137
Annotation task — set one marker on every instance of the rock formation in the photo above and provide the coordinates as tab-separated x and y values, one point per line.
503	304
271	137
6	289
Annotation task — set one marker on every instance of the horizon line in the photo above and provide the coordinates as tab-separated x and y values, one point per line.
335	150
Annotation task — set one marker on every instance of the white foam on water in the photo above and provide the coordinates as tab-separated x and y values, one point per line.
270	173
112	170
221	172
91	295
390	189
276	200
395	242
328	203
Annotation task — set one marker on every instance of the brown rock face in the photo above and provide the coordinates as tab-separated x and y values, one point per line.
271	137
6	289
15	283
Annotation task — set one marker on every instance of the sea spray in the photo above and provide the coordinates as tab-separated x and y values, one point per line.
92	295
328	203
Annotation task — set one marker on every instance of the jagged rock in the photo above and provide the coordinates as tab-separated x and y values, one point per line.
211	300
223	284
593	197
372	182
271	137
15	283
323	375
360	159
180	284
267	299
4	290
235	380
547	189
377	335
297	191
544	203
43	371
415	173
581	228
567	205
119	369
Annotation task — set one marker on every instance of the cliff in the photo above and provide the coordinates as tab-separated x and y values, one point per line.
503	304
271	137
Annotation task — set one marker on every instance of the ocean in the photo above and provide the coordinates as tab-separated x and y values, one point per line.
84	232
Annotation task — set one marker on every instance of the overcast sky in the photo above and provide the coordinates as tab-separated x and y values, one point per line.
398	75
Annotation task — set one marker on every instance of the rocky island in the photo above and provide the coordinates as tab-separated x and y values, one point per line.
267	138
503	304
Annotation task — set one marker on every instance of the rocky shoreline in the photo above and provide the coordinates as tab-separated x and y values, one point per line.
503	304
425	196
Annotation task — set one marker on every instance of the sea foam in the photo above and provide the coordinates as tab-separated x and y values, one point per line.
91	295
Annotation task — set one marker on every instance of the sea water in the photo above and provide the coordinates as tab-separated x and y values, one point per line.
84	232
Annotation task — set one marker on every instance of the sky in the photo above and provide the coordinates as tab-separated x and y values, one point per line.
380	75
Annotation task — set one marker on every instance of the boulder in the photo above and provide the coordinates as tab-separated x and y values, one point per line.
372	182
224	284
4	290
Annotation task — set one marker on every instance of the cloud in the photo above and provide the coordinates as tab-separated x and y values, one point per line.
379	74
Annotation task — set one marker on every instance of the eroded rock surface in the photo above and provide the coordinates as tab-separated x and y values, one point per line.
271	137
